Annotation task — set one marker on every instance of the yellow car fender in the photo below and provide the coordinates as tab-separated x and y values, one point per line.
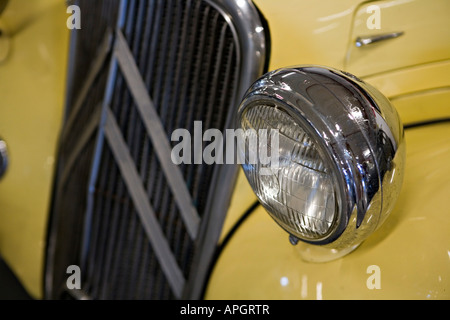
32	88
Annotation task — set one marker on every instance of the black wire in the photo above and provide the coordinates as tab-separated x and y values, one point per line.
425	123
226	240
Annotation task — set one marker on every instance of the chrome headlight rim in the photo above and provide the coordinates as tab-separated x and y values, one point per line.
4	159
360	198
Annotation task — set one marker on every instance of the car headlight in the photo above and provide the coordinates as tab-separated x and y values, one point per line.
339	151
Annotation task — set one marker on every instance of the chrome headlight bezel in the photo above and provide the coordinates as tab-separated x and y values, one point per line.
360	133
4	160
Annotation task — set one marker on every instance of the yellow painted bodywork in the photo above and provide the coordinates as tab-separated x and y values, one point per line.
426	32
420	92
412	248
32	87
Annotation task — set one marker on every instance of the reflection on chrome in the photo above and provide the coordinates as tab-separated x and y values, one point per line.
284	281
3	158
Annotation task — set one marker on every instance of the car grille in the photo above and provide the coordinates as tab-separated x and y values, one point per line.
188	58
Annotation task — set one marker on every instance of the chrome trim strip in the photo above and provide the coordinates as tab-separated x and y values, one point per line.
147	216
4	160
105	49
81	143
157	134
68	97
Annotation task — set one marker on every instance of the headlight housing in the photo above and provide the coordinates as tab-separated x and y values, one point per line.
339	148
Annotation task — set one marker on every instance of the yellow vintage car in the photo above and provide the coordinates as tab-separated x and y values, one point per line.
104	196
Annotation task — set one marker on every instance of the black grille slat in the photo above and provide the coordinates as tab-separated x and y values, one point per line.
113	239
92	102
127	257
197	91
131	219
156	26
102	213
119	257
190	27
149	17
160	58
178	61
170	80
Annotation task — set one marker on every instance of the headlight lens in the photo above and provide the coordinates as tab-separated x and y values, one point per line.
339	149
299	192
